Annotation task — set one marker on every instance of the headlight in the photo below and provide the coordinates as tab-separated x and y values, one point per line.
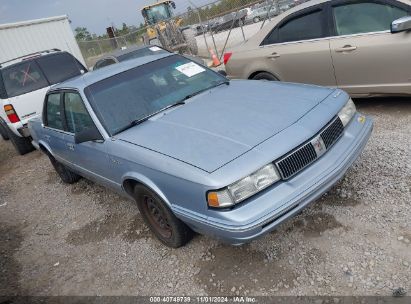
347	112
244	188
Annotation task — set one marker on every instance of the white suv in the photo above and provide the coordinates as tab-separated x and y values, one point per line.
24	82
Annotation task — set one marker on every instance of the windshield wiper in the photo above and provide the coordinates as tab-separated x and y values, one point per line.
227	82
145	118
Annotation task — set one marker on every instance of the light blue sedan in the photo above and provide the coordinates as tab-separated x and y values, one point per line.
198	152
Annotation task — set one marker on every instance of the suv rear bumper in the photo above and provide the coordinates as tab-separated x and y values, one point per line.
24	131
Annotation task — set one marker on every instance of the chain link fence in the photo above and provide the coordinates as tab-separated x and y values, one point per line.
217	26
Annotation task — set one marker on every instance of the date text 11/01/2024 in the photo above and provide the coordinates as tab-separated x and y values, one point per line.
203	299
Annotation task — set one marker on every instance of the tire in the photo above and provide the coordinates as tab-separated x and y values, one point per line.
256	19
66	175
163	223
190	38
265	76
3	130
22	144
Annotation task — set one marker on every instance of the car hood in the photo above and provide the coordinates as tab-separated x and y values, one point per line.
223	123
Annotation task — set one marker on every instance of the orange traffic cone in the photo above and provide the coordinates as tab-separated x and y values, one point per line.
216	61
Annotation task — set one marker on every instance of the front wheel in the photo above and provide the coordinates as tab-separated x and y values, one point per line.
256	19
265	76
163	223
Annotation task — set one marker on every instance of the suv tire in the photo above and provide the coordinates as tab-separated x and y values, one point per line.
3	130
22	144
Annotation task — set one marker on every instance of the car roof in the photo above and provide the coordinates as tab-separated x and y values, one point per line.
29	57
129	49
261	34
83	81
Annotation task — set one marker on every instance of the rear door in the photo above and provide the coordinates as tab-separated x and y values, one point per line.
367	57
298	50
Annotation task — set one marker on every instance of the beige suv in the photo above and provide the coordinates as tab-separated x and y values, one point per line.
363	47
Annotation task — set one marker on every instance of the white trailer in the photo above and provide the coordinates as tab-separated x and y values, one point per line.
22	38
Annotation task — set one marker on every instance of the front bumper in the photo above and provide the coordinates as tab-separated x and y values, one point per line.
287	198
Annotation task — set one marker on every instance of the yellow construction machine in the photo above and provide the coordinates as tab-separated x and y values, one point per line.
163	29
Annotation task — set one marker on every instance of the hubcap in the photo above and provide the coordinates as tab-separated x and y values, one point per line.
157	217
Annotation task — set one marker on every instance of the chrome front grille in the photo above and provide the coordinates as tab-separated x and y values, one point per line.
295	161
332	132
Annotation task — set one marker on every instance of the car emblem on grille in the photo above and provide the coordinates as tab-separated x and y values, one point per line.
319	146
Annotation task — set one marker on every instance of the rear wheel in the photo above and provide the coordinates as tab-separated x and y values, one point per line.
162	222
3	130
22	144
265	76
66	175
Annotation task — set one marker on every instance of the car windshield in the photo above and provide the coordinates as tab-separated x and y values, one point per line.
140	92
158	13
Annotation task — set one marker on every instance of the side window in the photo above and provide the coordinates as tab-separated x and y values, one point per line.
309	26
76	114
305	27
365	17
53	112
59	67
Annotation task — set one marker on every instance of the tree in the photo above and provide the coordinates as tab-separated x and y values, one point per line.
82	33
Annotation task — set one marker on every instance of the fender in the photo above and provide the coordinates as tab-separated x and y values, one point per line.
259	67
144	180
44	145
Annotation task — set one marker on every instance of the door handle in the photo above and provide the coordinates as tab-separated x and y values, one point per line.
346	48
273	55
71	147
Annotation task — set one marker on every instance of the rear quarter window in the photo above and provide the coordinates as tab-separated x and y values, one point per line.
60	67
23	78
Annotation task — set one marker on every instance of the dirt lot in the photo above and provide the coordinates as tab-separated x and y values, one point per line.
57	239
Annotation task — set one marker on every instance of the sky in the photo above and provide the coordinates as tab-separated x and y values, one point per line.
95	15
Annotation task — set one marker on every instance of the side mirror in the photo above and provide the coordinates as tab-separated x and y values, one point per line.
401	25
89	134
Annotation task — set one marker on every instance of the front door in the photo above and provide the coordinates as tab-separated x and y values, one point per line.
367	57
90	158
298	49
53	132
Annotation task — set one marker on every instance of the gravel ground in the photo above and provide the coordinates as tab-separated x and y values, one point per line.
82	239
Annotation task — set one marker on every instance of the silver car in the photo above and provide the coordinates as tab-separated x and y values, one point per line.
197	152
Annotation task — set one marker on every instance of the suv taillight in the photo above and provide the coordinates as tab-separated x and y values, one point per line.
11	114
